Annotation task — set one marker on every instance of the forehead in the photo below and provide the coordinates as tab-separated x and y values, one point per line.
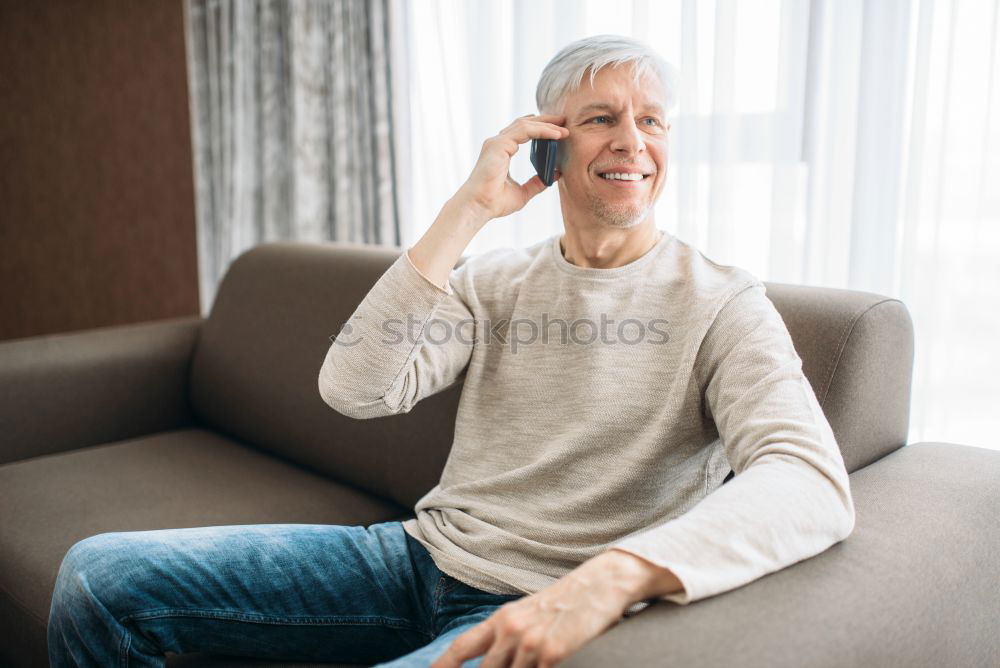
613	88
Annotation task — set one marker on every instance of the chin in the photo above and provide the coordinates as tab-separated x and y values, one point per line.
623	225
619	217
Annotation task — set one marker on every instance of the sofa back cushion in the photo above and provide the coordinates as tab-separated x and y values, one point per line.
255	368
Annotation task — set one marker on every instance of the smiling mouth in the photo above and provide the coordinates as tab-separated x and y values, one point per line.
626	183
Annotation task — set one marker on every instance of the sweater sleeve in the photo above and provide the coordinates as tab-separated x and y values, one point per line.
790	498
408	339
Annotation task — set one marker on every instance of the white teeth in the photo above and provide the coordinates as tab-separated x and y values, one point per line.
623	177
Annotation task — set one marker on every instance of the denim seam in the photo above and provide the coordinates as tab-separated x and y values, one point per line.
123	648
438	592
339	620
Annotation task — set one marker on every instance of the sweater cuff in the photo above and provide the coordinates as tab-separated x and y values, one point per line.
446	290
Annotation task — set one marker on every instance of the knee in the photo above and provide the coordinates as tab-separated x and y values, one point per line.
86	569
92	553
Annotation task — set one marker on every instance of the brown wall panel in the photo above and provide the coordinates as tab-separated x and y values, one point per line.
97	215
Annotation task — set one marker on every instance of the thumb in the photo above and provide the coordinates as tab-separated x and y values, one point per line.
532	187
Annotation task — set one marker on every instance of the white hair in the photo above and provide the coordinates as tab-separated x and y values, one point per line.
564	73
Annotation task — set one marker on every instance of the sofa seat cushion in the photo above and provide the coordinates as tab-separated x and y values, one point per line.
173	479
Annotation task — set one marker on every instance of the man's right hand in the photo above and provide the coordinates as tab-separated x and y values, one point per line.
490	188
488	193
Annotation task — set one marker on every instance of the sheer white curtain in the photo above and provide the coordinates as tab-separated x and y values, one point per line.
845	144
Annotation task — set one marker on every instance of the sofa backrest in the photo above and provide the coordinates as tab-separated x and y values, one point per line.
255	368
254	372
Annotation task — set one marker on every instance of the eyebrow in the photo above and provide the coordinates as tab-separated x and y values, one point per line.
595	106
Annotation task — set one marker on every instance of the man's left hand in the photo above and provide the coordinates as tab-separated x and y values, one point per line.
540	630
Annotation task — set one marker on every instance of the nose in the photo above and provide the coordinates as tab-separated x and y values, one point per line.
628	138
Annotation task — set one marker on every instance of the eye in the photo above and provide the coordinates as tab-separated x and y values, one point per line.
649	118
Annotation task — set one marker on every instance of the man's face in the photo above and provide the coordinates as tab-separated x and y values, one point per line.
614	126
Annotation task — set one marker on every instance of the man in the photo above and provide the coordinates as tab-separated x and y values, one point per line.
589	475
586	474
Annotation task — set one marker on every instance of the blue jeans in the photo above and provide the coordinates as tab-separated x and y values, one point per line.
324	593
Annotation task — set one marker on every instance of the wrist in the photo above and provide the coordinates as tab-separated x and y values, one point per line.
638	579
467	211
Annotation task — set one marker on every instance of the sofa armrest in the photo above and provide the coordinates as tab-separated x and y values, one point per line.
60	392
916	584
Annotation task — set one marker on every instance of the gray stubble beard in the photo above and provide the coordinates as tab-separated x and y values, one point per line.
618	216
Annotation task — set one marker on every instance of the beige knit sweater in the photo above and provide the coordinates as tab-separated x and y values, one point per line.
616	429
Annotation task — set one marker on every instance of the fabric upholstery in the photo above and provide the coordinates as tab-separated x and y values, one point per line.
857	351
917	584
173	479
254	372
65	391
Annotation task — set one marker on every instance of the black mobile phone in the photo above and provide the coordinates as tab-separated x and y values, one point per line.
544	157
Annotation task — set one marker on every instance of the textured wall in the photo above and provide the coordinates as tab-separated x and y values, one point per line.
97	215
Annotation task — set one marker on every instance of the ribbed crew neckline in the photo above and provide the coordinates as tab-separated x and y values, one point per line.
614	272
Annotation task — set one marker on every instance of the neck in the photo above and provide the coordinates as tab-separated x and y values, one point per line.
608	248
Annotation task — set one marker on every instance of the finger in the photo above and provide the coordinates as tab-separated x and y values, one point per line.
500	654
505	644
544	117
472	643
533	130
527	653
532	118
554	122
523	130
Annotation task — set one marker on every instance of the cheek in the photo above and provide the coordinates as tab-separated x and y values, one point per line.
565	151
575	153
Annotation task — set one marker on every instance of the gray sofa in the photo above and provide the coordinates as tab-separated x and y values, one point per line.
200	422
